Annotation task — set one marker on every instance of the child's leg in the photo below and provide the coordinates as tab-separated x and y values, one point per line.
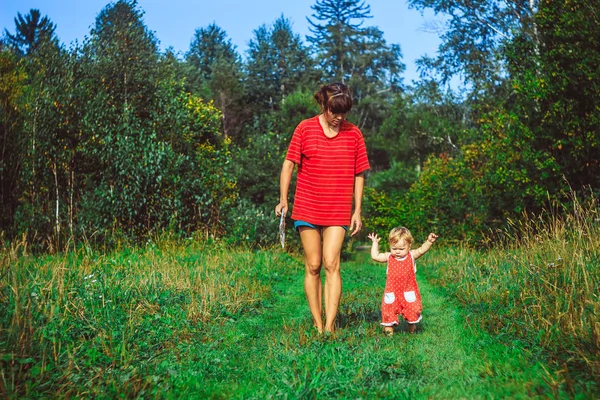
388	330
412	328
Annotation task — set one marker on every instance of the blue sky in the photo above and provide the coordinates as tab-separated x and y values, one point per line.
175	21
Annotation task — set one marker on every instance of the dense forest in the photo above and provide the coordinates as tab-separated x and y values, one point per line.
113	139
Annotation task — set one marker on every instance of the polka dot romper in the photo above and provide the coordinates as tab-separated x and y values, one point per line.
401	296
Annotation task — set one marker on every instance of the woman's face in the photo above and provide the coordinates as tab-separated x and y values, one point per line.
334	119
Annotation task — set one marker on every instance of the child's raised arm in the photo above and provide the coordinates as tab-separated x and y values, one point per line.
375	254
425	246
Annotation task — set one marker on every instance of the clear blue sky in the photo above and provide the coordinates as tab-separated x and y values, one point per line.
174	21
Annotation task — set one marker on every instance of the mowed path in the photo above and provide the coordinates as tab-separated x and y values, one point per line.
275	353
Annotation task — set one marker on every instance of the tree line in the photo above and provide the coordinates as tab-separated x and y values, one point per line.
113	138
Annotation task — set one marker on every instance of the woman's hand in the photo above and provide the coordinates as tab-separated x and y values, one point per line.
283	205
355	224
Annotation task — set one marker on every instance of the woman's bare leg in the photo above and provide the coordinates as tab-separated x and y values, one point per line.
311	242
333	239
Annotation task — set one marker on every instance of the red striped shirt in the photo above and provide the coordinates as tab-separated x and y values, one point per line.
326	171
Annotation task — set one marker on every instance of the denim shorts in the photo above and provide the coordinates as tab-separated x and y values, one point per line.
299	223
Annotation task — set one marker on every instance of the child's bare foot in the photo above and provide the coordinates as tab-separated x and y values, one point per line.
388	331
412	328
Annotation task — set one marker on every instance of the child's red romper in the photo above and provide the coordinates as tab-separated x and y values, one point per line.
401	296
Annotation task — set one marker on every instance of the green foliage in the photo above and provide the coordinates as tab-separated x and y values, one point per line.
558	94
424	120
252	226
277	65
111	146
214	71
397	179
538	286
115	138
258	162
49	135
12	85
500	176
473	39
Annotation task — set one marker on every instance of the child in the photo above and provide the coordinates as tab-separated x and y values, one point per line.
401	296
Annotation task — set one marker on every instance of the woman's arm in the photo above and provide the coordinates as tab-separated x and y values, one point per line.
284	186
356	221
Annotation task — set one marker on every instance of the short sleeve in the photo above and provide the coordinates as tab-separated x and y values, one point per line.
362	161
294	152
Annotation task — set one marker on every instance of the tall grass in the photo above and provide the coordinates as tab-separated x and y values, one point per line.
104	322
540	285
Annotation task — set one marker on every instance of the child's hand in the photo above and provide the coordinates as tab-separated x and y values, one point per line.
432	237
373	237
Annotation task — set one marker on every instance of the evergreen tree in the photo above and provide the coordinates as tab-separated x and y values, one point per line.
214	72
30	31
336	35
277	64
359	56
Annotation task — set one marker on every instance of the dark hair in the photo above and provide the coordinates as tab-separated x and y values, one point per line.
335	97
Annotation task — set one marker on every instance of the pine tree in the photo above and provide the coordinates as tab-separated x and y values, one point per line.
214	71
278	63
30	31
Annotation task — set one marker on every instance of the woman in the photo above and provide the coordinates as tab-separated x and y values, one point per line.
331	157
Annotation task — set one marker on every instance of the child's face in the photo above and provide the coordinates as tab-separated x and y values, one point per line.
400	249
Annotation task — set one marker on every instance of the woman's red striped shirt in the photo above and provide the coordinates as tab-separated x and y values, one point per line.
327	168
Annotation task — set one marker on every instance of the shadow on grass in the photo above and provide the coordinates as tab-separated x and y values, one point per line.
354	319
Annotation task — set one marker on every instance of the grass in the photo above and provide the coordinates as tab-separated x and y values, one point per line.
190	320
539	285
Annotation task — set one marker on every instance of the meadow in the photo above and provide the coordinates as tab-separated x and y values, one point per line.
197	319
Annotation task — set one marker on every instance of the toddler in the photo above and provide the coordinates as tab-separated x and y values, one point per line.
401	295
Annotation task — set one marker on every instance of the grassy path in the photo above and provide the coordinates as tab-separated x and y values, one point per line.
275	353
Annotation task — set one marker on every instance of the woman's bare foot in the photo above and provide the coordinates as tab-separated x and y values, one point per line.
318	328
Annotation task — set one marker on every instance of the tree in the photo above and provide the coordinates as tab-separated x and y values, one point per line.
475	36
335	38
277	64
215	73
124	54
558	95
51	125
30	31
424	121
13	80
358	56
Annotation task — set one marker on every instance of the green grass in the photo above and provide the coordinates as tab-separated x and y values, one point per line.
197	321
540	286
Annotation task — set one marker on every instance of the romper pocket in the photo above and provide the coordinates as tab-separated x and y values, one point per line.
389	298
411	297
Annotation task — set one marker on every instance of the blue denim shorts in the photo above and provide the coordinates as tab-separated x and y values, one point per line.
299	223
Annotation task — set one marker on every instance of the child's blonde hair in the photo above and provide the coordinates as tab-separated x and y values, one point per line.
399	233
